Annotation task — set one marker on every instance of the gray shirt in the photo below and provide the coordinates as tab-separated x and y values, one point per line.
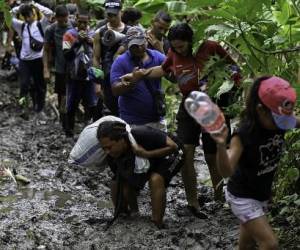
54	36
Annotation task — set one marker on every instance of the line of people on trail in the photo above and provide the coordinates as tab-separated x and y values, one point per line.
122	77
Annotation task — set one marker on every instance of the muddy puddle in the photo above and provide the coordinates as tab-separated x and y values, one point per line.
68	208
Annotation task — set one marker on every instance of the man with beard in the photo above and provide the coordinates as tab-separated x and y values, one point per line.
156	35
53	48
138	101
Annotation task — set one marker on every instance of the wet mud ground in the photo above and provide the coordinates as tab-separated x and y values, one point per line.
67	208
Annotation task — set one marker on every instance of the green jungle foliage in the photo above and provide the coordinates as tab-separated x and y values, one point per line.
263	37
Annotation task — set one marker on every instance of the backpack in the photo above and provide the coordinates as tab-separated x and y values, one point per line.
82	62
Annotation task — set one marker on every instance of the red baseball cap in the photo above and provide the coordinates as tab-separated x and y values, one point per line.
280	97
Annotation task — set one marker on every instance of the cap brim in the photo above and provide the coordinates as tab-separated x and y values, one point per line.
136	42
284	122
112	11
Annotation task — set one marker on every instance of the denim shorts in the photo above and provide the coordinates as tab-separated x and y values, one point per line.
246	209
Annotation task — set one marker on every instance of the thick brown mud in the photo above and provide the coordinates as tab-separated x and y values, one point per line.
65	207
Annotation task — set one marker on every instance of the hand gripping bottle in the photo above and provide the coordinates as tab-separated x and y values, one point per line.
205	112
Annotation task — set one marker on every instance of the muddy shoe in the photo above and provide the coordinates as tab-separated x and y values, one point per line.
197	213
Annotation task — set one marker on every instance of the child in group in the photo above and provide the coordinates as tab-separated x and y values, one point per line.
253	155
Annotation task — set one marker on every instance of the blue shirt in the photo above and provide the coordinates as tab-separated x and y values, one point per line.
137	106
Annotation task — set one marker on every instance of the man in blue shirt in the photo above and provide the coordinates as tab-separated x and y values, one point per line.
139	103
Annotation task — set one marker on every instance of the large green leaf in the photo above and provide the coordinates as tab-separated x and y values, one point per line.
176	6
150	6
224	88
202	3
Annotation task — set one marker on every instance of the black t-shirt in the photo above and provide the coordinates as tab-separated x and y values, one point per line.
262	150
149	139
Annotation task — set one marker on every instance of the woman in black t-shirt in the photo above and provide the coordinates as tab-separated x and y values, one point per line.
164	155
253	155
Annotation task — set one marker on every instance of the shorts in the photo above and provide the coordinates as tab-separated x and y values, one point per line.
189	131
167	168
246	209
60	83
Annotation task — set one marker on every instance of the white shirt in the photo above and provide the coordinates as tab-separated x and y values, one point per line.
26	52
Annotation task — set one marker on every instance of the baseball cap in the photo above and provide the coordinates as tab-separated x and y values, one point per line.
280	97
135	36
112	6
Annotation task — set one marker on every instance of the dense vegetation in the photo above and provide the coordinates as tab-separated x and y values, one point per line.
263	36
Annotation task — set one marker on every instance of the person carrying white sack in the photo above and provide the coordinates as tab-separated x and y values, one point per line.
124	146
87	152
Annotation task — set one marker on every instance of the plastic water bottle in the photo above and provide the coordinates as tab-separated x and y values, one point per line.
205	112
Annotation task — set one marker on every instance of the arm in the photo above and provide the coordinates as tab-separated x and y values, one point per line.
46	60
170	147
48	39
154	72
156	44
46	11
15	11
10	35
118	86
97	50
227	159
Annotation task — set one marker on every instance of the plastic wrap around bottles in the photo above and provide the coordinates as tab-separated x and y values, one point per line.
205	112
111	37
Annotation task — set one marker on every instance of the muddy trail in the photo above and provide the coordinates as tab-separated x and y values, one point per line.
68	208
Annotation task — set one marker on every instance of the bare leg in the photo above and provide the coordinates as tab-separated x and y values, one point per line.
130	198
189	176
260	230
216	178
246	242
158	198
113	192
